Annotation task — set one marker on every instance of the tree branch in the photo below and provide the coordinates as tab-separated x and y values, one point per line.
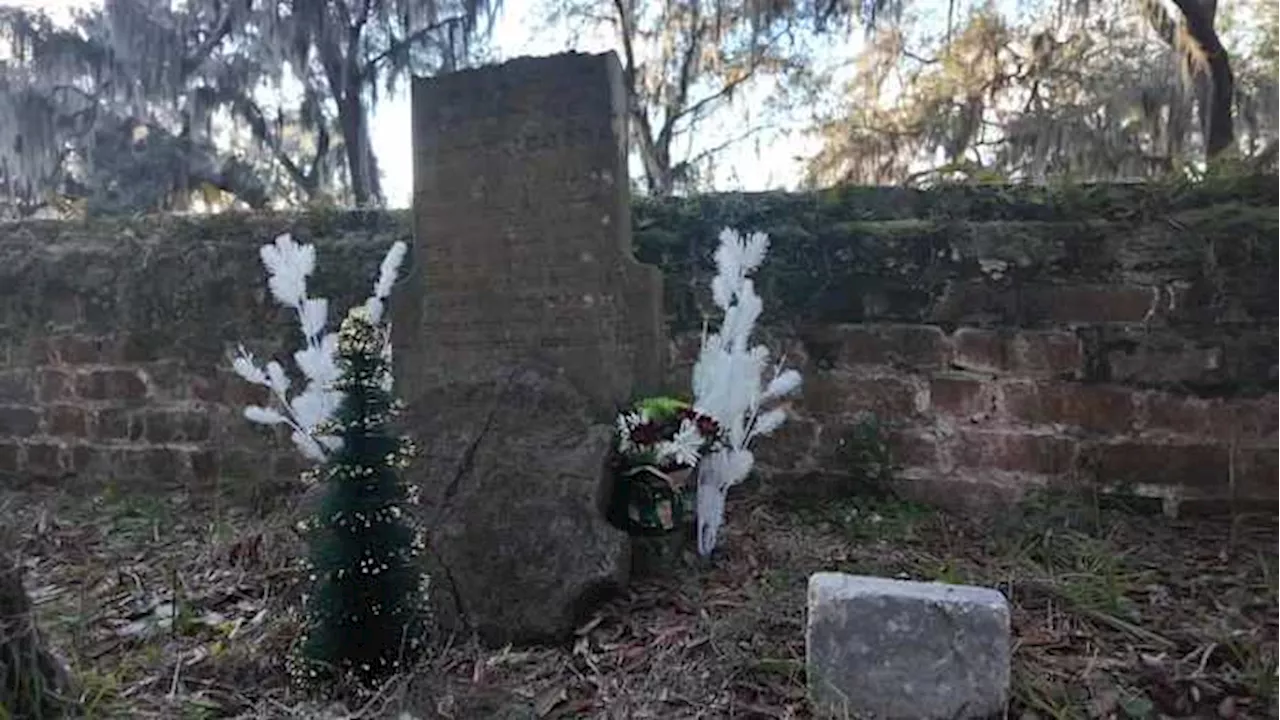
398	46
197	58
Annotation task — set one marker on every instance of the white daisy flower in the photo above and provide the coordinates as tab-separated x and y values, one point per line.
685	448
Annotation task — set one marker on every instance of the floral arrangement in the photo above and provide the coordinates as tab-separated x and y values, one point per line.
666	433
288	266
728	382
660	441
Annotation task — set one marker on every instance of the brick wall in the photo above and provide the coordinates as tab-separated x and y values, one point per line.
116	337
1013	341
1122	337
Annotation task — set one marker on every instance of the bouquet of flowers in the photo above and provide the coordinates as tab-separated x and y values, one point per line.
659	444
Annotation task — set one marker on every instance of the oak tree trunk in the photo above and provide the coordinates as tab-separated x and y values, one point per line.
1217	84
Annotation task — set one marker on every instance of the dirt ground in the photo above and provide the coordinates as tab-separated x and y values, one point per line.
167	608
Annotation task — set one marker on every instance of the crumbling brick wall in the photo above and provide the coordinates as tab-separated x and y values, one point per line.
1122	336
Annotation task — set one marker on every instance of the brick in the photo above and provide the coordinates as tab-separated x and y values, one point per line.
1050	352
66	421
790	447
17	386
79	349
84	459
204	464
981	350
1087	303
10	458
135	348
960	396
62	307
1179	414
834	393
166	426
1089	407
1223	419
1159	359
230	389
112	424
242	465
1020	352
918	347
44	461
167	381
1016	452
162	466
54	385
1257	474
18	422
975	302
111	385
914	448
1246	419
1199	466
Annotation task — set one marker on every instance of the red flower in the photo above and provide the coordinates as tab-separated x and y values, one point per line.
646	434
707	426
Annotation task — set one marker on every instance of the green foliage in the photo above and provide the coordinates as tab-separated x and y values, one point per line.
662	408
366	615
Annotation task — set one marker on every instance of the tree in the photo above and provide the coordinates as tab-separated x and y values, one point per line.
79	120
343	52
1185	26
1091	96
182	83
684	60
367	612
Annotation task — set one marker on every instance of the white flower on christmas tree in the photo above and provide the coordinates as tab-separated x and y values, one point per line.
288	266
727	383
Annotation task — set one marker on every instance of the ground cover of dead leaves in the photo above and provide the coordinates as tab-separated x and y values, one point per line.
172	608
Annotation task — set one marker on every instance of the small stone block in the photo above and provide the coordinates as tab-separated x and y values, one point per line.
880	648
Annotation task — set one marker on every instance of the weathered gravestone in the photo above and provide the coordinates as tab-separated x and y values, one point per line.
881	648
523	327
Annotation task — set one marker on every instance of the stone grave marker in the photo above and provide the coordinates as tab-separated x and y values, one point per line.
885	648
522	328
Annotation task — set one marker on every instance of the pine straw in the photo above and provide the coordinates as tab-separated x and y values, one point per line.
1115	615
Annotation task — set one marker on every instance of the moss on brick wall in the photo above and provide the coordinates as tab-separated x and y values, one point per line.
863	254
114	332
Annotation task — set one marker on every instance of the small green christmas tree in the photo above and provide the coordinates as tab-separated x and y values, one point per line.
366	612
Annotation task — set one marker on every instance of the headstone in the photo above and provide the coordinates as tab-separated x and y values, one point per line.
523	327
882	648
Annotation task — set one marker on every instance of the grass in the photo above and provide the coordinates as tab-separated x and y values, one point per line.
176	609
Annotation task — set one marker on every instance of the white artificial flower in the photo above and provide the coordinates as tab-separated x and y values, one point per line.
784	384
727	381
685	447
768	422
625	426
263	416
279	381
246	368
288	266
313	315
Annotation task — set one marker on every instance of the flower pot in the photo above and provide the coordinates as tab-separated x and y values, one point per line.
651	502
